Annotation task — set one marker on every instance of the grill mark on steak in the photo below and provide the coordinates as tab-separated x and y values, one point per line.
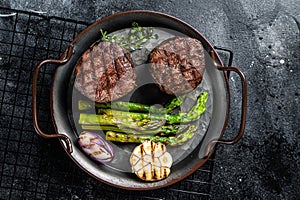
177	64
91	55
114	63
100	71
109	72
191	71
103	82
85	62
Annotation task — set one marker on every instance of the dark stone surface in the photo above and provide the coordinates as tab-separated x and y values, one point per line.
265	38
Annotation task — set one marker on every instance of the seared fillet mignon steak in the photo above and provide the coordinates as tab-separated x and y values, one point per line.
105	72
177	65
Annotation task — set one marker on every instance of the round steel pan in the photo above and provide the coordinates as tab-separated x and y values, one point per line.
59	100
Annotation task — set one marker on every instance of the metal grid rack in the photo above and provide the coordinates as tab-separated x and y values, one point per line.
34	168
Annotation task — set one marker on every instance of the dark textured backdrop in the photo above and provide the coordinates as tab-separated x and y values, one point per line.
264	36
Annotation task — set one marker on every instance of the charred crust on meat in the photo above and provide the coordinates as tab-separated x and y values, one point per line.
177	64
105	72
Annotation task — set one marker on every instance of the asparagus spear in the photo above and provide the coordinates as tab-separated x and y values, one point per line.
175	103
197	110
163	130
143	121
120	105
125	118
171	140
194	114
138	107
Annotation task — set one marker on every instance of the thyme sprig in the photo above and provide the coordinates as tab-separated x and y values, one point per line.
135	39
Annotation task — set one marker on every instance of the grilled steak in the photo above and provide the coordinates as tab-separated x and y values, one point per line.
177	64
105	72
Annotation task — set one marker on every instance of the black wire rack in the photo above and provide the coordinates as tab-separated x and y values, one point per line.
34	168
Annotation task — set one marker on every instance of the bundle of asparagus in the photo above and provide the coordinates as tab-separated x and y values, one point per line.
135	123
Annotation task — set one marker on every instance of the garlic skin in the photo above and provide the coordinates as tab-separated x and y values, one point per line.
96	147
150	161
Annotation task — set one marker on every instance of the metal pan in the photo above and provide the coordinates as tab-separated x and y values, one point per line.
215	72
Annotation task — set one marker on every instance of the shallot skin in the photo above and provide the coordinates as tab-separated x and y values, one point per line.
96	147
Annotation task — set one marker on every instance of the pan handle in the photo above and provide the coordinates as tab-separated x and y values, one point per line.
228	51
230	60
65	138
243	113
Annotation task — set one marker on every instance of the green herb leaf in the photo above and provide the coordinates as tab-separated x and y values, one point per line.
135	39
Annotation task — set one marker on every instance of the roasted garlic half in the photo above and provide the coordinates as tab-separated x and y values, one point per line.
150	161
